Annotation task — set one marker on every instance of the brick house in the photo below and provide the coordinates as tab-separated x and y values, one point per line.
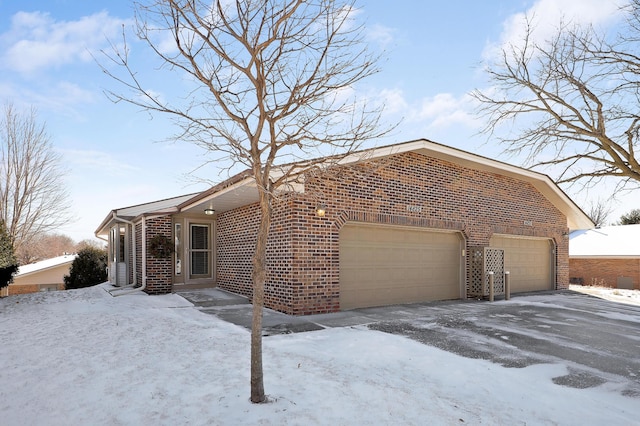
607	256
402	223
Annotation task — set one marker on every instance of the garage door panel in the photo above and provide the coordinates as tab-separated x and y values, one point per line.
529	262
389	265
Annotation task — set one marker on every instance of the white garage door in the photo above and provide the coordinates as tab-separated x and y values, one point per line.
385	265
529	262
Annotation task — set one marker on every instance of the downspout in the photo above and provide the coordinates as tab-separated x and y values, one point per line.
144	262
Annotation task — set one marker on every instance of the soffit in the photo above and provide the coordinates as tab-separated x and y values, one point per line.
239	194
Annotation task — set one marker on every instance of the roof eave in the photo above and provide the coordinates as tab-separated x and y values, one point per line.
241	187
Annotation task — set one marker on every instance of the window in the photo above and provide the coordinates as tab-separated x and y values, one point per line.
117	243
121	250
178	248
112	245
200	252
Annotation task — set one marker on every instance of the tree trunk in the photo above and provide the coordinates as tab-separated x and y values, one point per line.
259	277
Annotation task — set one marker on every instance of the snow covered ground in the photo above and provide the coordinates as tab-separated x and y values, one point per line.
82	357
631	297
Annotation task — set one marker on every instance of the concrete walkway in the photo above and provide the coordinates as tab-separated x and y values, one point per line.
598	339
237	309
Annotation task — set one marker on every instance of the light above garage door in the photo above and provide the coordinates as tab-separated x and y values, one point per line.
385	265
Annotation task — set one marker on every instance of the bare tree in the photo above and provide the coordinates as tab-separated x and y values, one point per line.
33	199
573	101
273	89
45	246
91	243
599	213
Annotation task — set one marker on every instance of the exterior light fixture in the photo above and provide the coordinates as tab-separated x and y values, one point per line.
321	209
209	212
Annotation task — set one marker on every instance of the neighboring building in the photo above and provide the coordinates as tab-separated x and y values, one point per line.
46	275
608	256
403	223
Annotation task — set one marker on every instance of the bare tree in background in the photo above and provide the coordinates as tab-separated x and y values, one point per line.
33	200
273	85
91	243
45	246
599	212
574	101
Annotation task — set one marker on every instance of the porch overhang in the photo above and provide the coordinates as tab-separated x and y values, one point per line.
238	194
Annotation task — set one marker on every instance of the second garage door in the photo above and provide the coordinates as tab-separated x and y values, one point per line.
528	260
385	265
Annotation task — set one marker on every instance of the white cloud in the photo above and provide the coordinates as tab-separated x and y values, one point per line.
445	110
98	161
36	41
381	35
63	97
394	101
547	15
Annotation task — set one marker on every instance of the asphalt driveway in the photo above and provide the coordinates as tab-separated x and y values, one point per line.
598	340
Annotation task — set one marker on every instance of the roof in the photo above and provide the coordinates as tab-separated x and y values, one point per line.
168	205
610	241
45	264
241	190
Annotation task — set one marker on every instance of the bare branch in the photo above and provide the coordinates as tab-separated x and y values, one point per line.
273	85
599	213
573	100
33	199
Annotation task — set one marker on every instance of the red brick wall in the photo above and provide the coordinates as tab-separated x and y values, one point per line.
159	271
236	232
605	272
235	244
304	249
24	289
314	280
28	288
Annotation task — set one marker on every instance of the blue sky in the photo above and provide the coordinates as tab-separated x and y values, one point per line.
115	155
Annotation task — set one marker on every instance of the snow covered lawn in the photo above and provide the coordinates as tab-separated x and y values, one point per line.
82	357
631	297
